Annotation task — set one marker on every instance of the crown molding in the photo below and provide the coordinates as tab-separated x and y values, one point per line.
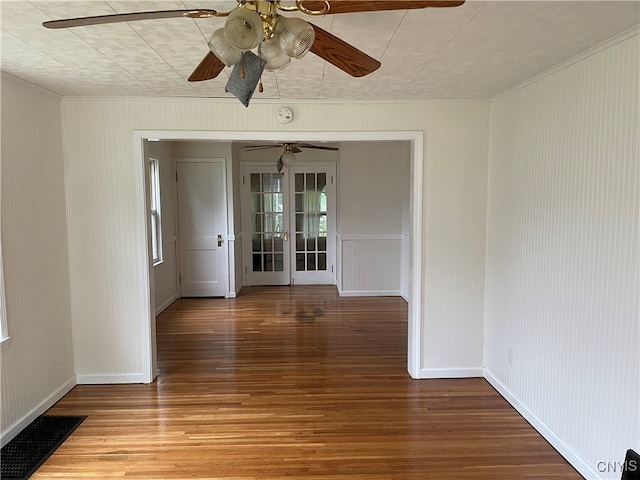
11	78
280	101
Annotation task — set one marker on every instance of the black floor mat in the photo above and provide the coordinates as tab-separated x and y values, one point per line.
22	456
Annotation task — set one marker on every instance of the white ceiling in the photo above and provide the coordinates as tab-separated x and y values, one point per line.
477	50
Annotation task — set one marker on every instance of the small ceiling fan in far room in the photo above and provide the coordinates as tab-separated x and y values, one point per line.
257	24
289	150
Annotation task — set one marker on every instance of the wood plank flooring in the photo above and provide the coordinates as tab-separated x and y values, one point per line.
295	383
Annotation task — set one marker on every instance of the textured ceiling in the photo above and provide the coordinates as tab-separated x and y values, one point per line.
477	50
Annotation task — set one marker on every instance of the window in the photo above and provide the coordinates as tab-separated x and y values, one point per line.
154	206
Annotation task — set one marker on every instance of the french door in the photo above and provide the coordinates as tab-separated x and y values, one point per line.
265	206
313	222
290	219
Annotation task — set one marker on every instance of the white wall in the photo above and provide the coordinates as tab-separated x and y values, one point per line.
405	256
202	150
373	211
373	187
106	214
562	263
37	365
236	176
166	286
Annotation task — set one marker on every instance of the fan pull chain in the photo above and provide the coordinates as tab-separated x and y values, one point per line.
260	86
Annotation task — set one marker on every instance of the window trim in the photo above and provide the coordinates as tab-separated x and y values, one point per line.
155	213
4	331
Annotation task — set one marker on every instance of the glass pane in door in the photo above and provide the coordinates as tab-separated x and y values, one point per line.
311	221
267	213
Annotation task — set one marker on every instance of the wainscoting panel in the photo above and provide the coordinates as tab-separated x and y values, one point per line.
371	265
167	289
405	266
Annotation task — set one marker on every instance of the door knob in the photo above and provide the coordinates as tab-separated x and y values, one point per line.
285	235
219	240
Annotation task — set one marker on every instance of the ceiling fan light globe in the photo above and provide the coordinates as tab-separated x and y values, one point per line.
295	35
271	51
243	29
288	159
223	49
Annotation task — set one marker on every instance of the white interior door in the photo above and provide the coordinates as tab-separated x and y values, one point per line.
313	218
202	228
265	200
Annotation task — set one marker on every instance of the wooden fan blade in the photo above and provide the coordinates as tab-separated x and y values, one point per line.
210	67
351	6
251	148
344	56
317	147
295	150
129	17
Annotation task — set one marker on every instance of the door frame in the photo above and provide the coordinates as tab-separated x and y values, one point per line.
416	139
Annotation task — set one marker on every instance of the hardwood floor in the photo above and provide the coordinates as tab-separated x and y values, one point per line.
296	383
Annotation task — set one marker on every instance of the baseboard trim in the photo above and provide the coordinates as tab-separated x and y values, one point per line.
543	429
235	293
451	372
167	304
370	293
7	435
111	379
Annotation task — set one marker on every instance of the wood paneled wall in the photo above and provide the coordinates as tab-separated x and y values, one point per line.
562	318
106	215
37	364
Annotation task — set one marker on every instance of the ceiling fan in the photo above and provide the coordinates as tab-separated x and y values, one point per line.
257	24
289	150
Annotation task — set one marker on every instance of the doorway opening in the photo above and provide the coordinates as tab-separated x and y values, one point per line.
414	241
